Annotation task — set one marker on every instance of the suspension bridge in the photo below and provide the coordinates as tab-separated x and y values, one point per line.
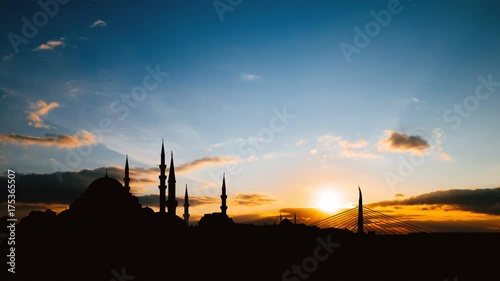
362	218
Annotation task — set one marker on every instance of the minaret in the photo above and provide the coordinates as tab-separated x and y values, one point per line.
360	212
126	179
162	178
171	202
295	218
223	207
281	217
186	206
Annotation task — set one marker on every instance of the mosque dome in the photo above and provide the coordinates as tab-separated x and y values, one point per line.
104	196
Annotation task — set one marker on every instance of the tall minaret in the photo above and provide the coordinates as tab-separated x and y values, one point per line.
162	178
186	206
171	202
126	179
360	212
223	207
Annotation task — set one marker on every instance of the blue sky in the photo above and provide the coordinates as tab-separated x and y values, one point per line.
228	78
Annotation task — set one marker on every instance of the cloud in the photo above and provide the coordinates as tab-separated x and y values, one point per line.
486	201
65	187
347	149
439	138
203	162
400	142
249	77
399	195
41	108
313	151
81	138
252	199
98	23
50	45
300	143
154	199
8	57
414	99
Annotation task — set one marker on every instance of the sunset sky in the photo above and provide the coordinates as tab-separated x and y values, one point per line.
297	102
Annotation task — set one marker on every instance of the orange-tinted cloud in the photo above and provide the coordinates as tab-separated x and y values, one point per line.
252	199
50	45
81	138
347	149
484	201
400	142
203	162
38	109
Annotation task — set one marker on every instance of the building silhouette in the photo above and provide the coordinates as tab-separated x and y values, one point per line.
218	219
162	178
186	207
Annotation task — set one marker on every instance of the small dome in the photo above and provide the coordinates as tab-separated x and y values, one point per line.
105	182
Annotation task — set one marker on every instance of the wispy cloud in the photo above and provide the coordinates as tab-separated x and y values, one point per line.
249	77
347	149
98	23
205	161
300	143
50	45
39	109
253	199
81	138
438	137
313	151
194	201
8	57
400	142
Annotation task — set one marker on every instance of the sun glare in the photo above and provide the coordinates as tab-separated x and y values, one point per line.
328	201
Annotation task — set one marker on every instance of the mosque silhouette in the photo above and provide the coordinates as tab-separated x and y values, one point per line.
106	234
108	199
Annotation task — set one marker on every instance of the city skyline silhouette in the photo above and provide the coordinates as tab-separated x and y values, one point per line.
249	140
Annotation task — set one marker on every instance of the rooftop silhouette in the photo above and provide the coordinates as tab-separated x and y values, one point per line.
108	226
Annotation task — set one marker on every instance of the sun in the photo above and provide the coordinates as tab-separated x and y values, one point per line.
328	201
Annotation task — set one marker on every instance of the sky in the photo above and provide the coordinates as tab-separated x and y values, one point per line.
297	102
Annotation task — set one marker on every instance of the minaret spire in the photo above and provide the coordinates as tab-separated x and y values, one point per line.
360	212
162	178
171	202
186	206
126	179
223	207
